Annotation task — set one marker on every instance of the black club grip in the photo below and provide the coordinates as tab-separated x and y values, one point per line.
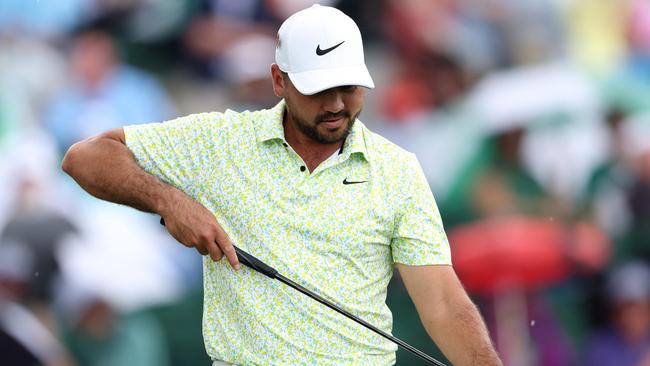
254	263
249	260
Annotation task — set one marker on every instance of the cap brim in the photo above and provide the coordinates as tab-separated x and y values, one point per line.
315	81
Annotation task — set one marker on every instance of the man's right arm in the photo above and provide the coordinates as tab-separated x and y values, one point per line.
105	167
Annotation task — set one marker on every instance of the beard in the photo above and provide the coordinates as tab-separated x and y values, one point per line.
324	136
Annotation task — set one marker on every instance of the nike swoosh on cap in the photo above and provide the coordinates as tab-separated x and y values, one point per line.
320	52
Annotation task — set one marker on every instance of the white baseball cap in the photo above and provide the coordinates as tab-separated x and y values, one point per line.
320	48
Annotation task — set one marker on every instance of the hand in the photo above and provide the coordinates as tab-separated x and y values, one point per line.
195	226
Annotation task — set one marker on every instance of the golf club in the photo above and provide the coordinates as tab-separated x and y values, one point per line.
263	268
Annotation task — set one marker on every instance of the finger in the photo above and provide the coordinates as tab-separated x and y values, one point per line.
202	250
230	253
228	250
215	252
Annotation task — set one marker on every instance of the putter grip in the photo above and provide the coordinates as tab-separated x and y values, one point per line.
254	263
249	260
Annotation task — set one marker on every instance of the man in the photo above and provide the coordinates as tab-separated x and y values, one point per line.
305	187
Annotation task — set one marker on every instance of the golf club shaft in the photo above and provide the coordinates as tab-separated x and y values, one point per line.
334	307
257	265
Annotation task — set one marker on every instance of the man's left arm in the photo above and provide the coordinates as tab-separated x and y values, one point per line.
449	316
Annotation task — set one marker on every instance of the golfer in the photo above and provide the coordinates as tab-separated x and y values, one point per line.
307	188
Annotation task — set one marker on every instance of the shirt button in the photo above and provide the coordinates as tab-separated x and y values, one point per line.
303	168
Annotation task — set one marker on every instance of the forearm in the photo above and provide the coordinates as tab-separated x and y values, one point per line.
448	314
458	329
106	169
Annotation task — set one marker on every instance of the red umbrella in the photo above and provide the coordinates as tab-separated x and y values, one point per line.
523	253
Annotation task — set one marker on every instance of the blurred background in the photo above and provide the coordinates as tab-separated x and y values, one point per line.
531	120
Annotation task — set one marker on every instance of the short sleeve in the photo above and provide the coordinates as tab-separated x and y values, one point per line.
174	151
419	237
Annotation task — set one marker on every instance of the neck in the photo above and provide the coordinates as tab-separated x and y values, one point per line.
312	152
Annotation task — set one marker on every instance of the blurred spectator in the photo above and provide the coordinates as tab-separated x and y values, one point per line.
606	187
432	81
40	230
98	335
221	24
505	187
626	340
247	63
24	339
103	93
417	27
617	194
498	183
34	215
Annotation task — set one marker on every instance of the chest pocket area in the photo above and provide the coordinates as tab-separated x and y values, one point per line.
353	209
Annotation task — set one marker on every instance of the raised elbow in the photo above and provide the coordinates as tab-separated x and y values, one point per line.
86	155
70	159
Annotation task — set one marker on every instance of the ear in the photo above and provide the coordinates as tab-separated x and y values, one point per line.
278	81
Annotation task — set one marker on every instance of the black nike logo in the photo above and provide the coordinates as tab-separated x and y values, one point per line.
346	181
320	52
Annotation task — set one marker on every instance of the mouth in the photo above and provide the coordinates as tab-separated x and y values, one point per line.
333	123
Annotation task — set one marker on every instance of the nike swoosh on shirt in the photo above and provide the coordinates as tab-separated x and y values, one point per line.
320	52
346	181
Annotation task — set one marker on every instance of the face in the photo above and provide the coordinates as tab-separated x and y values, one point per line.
93	57
326	117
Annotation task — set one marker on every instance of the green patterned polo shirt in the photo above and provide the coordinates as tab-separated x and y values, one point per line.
339	240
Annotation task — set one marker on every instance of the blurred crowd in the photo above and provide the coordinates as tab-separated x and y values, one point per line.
531	120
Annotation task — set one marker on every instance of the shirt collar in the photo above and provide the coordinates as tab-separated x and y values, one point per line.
270	128
356	142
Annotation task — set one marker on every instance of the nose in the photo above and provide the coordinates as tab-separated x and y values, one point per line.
333	101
